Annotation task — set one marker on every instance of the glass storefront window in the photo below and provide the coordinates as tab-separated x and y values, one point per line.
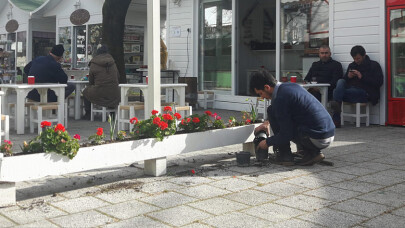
65	38
79	56
304	28
94	39
21	48
215	50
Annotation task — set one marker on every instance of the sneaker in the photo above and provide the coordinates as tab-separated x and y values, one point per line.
299	153
310	159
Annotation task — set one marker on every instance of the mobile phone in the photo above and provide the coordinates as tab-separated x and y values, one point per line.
351	70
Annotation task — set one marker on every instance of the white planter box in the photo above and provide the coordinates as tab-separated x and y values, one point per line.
153	152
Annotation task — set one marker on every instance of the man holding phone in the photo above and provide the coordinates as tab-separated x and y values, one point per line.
361	83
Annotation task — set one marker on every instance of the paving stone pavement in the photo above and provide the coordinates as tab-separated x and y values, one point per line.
364	188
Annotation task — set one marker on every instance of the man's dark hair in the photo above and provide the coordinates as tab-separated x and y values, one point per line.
358	49
324	46
259	79
102	50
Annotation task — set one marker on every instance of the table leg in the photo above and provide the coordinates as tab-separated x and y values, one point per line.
20	112
181	93
78	109
60	93
324	92
146	102
4	107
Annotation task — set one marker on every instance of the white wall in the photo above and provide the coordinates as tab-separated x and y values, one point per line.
182	17
360	22
19	15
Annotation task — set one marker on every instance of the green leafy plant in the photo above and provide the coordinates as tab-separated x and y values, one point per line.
6	148
252	113
157	126
194	123
121	135
113	122
97	138
217	122
53	139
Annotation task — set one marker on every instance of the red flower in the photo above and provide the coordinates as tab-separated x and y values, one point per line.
196	120
167	109
193	171
167	117
59	127
156	120
133	120
209	113
154	112
188	120
45	124
163	125
248	121
182	122
8	142
76	136
99	131
218	118
177	115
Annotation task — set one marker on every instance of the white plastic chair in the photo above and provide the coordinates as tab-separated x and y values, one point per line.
357	113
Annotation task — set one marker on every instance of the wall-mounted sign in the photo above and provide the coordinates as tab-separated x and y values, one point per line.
11	26
79	17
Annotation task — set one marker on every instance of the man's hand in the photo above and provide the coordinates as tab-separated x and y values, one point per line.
358	74
351	74
263	145
263	127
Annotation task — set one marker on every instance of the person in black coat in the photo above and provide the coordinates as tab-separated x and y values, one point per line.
47	69
362	81
294	115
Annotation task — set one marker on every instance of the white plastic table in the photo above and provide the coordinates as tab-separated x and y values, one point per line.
79	85
323	87
22	92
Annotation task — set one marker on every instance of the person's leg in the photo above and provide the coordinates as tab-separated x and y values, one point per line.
283	154
355	95
336	105
311	153
87	108
69	89
316	93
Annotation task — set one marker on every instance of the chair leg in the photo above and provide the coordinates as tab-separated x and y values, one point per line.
368	114
119	119
39	118
342	121
358	114
104	114
91	112
7	127
66	111
31	120
205	100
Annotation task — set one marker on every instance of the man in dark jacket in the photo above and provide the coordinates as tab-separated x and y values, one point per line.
47	69
362	80
294	115
326	70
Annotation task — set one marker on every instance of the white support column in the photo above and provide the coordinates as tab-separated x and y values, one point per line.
155	167
153	31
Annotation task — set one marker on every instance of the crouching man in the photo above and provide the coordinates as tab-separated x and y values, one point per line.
294	115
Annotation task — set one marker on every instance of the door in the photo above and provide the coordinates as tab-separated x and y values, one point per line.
214	42
396	65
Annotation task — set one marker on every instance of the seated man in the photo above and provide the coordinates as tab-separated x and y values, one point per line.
361	83
294	115
326	70
47	69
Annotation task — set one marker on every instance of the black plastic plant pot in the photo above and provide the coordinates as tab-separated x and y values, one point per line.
243	158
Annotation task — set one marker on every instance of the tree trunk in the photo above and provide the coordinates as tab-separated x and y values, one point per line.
113	32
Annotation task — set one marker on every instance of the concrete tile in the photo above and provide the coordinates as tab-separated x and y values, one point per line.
273	212
384	197
42	223
247	169
236	219
354	170
203	191
169	199
139	221
378	178
281	189
121	195
81	192
295	223
36	213
251	197
179	216
332	194
220	174
358	186
332	218
374	165
398	188
309	181
386	220
80	204
4	222
196	225
159	186
190	181
233	184
393	173
399	212
294	171
128	210
362	208
218	205
303	202
263	178
83	219
333	176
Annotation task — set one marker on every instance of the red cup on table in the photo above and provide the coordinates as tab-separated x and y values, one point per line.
31	80
146	79
293	79
72	77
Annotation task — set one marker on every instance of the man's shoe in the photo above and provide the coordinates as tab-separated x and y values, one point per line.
299	153
310	159
336	120
281	161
